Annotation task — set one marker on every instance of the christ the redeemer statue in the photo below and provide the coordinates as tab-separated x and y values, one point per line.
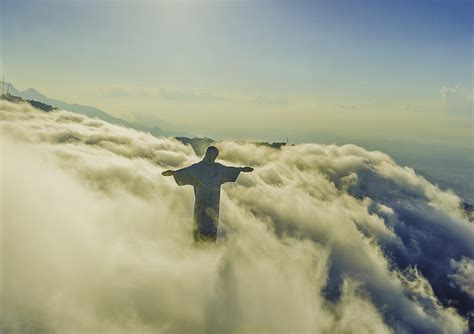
206	177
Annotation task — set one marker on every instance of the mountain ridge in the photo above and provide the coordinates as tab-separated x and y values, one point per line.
90	111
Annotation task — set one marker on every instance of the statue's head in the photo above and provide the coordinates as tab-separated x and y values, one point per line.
211	154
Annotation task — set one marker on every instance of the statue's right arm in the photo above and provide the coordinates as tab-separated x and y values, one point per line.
168	172
183	176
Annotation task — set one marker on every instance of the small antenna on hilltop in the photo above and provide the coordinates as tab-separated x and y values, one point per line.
287	140
3	85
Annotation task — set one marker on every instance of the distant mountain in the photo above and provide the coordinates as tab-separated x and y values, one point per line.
32	94
38	105
199	145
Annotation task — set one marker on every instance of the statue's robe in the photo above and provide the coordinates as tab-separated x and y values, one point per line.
206	180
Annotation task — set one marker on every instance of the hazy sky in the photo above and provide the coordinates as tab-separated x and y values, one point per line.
258	69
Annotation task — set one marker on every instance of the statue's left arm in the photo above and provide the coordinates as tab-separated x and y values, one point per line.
230	174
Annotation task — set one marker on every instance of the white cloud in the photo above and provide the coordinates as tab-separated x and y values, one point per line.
456	99
464	274
95	240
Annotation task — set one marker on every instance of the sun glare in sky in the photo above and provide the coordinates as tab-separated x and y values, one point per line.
254	69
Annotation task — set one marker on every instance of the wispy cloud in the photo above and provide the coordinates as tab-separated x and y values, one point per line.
270	101
456	99
197	96
124	92
187	96
192	96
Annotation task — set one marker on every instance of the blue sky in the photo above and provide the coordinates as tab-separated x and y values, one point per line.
256	69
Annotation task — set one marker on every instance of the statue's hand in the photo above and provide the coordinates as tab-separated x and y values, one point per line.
247	169
168	172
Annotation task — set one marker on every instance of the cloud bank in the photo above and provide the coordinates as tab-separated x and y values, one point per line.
318	239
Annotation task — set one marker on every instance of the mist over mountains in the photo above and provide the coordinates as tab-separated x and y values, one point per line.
319	238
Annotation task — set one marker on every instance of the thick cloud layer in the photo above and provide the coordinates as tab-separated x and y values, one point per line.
319	238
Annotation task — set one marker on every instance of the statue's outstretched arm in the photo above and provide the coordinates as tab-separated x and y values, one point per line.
183	176
168	172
